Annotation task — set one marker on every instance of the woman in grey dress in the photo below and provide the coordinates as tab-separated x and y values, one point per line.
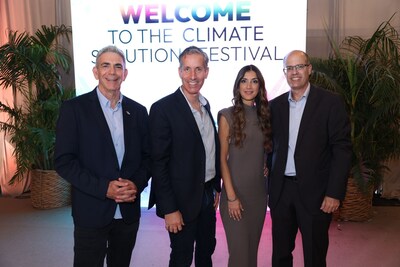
245	137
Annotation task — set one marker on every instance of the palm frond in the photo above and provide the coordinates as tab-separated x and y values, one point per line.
31	65
366	72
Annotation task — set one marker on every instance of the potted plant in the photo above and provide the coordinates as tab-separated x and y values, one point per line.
366	72
31	66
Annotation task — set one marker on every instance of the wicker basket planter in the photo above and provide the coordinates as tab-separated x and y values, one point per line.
49	190
357	206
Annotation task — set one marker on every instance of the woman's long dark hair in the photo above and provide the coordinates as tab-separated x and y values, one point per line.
261	103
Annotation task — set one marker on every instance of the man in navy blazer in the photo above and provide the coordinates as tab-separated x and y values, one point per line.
102	149
311	160
185	169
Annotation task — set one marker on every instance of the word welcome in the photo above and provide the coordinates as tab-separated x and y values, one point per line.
153	13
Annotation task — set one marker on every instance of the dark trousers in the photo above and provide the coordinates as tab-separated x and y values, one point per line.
288	216
116	241
201	232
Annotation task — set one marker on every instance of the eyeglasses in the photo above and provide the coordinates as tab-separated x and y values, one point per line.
297	67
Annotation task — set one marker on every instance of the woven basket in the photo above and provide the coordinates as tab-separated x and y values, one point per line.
49	190
357	206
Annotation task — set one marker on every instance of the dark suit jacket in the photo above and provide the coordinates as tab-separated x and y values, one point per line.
178	158
85	157
323	148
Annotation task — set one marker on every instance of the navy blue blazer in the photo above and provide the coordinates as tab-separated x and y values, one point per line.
178	155
323	149
85	157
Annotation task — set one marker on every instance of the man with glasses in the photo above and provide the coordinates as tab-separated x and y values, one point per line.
309	165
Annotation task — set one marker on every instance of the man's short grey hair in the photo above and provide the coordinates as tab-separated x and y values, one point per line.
193	50
112	49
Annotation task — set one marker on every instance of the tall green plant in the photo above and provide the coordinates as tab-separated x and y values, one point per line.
30	65
366	72
32	62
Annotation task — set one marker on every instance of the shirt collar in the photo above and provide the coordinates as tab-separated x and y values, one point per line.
305	95
202	99
104	102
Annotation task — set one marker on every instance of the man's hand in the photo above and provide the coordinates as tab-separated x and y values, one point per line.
330	205
122	190
216	200
174	222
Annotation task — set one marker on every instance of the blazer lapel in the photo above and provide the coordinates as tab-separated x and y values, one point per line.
284	118
186	112
98	115
128	121
308	112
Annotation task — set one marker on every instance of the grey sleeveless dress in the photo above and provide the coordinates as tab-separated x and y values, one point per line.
246	165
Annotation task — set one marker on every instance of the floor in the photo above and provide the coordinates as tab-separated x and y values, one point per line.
43	238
